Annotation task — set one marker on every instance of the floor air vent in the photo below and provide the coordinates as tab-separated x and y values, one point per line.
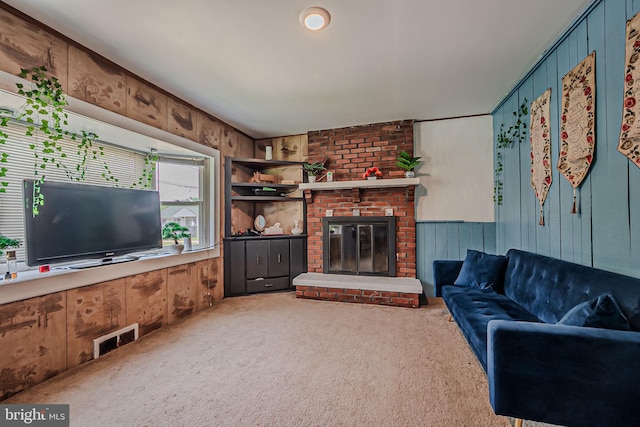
104	344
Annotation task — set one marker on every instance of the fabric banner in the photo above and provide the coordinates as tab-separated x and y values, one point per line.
629	144
540	138
577	136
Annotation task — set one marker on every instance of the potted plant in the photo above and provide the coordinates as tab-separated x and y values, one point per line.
7	242
314	169
372	173
175	231
12	267
407	162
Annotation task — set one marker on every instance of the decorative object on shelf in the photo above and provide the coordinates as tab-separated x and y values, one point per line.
407	162
10	258
259	223
274	229
260	178
329	176
540	137
296	230
175	231
372	173
268	152
630	129
577	136
314	169
506	138
187	243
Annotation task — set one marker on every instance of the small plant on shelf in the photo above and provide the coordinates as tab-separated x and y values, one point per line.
8	242
407	162
174	231
314	169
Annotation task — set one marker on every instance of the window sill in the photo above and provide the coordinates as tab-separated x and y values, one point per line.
30	284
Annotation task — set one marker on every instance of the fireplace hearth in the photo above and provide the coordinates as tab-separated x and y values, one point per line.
359	245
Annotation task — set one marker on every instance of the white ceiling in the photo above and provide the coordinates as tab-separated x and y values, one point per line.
252	65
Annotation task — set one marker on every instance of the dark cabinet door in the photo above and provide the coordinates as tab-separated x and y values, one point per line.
257	261
235	257
279	258
298	257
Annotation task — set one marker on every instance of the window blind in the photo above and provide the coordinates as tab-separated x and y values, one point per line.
126	165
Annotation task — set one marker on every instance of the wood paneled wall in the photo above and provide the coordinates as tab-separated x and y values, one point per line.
605	233
449	240
47	335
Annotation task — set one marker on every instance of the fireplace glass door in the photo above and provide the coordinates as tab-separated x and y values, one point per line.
359	248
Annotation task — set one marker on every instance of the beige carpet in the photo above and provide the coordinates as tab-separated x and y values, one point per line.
273	360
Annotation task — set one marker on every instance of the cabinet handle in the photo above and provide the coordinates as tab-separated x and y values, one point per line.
268	285
258	259
278	258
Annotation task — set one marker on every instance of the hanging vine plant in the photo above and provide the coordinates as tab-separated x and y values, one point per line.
45	118
506	139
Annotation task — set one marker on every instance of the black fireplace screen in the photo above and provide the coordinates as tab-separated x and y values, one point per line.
359	245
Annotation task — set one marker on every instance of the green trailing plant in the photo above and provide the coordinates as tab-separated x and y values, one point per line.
406	161
46	119
8	242
506	139
146	177
174	231
43	112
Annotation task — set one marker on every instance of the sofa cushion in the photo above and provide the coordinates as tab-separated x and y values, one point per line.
473	308
600	312
482	270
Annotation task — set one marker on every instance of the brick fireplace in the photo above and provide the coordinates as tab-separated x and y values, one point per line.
350	151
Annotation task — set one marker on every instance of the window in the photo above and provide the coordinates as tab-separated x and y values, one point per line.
181	184
184	174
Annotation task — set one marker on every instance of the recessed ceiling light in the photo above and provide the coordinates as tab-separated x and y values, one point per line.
315	18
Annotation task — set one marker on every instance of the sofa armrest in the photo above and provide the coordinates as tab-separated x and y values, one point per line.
445	272
566	375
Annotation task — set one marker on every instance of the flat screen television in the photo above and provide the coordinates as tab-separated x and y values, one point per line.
81	221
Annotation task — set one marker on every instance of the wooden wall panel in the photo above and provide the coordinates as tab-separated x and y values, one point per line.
288	213
182	283
93	311
94	80
449	240
242	216
146	104
288	148
210	288
147	300
208	131
181	119
24	45
235	144
33	341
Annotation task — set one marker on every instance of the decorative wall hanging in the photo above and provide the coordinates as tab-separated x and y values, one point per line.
577	137
629	144
540	137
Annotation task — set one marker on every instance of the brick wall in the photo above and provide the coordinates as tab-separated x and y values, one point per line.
350	151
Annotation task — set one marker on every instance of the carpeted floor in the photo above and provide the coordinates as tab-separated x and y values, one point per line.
273	360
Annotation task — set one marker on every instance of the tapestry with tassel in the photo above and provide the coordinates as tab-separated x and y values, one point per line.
540	138
629	144
577	131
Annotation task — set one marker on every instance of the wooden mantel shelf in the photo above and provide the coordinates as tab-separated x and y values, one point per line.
364	183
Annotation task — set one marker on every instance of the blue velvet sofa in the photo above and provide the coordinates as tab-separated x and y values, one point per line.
538	367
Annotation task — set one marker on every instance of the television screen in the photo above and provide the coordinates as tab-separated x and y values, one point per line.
81	221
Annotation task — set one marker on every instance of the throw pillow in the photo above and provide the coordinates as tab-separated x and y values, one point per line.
600	312
482	270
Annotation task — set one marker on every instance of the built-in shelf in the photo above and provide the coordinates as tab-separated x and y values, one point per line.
364	183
